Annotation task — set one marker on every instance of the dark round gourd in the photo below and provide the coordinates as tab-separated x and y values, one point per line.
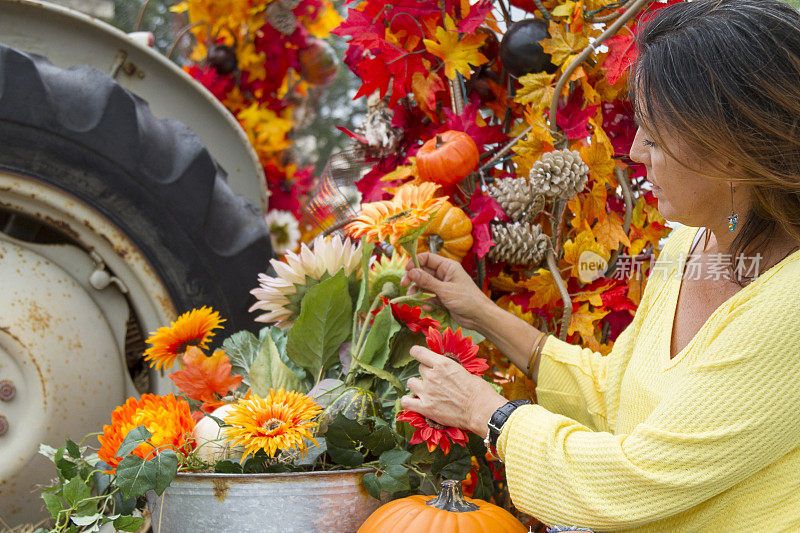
223	58
520	50
354	402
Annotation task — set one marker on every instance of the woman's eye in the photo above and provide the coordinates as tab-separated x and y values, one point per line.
648	143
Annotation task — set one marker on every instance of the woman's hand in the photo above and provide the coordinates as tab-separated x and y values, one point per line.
453	287
450	395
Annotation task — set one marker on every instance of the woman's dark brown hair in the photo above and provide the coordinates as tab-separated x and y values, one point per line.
724	77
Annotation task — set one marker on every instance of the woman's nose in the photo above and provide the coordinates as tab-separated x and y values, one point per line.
638	153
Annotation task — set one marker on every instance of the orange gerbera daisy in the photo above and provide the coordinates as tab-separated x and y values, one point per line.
277	422
167	418
194	328
411	207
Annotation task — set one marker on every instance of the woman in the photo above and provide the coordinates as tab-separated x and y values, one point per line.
692	421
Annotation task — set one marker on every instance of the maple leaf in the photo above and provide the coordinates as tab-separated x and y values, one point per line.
477	14
202	376
608	232
573	118
425	89
472	123
562	43
457	53
360	27
582	322
584	241
537	90
616	299
621	55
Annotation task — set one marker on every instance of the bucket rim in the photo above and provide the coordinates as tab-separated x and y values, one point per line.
198	476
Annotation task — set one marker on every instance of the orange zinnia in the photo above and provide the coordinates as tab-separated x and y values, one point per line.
194	328
411	207
167	418
277	422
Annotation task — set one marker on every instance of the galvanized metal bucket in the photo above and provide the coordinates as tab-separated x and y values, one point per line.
293	502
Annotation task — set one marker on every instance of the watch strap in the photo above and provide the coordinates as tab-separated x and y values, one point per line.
499	418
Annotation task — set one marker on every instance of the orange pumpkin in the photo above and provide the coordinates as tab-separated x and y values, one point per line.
449	512
449	233
447	158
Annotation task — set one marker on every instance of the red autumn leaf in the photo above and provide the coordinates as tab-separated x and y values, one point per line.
361	28
616	299
467	121
374	74
484	208
477	14
573	118
202	377
621	55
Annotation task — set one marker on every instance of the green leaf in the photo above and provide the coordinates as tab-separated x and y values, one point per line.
66	468
395	479
381	440
363	291
421	455
86	520
268	371
484	488
394	457
345	433
454	465
377	344
323	325
345	456
135	476
399	355
76	490
47	451
128	523
133	439
226	466
73	450
372	484
53	503
383	374
241	349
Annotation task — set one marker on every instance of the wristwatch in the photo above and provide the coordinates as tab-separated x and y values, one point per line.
498	419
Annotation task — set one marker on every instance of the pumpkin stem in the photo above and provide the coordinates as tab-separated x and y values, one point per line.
439	141
452	499
435	243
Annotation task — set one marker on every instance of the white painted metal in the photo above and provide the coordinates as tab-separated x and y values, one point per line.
64	356
67	37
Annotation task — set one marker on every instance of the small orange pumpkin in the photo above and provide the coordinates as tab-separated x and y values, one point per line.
448	512
449	233
447	158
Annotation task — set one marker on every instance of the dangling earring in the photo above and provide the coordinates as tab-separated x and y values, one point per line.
734	218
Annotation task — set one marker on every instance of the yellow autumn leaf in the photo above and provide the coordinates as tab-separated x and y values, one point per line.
585	240
563	10
562	43
457	52
537	90
608	232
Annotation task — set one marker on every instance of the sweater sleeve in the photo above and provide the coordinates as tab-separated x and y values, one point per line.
583	384
732	414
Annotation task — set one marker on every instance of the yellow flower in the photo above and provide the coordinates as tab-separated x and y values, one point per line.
278	422
266	130
194	328
411	207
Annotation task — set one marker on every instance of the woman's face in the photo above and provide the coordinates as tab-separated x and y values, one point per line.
685	192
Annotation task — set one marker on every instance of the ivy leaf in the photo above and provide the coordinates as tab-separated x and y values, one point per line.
76	490
394	479
73	450
344	432
457	53
128	523
135	476
372	484
53	503
394	457
345	456
133	439
226	466
381	440
324	324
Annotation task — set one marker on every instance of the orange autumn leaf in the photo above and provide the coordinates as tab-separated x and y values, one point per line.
202	377
598	156
425	89
585	240
582	321
457	52
608	232
562	43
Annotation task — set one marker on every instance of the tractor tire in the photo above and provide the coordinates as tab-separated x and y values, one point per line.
79	131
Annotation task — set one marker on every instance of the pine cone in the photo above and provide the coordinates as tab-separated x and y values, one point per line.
517	198
518	243
560	174
281	18
289	4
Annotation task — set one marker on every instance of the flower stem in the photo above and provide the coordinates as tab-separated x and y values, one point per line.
355	349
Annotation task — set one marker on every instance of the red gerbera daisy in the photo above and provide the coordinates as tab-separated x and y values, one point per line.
430	432
411	317
461	349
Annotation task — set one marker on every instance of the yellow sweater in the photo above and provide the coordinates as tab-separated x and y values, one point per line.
636	441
